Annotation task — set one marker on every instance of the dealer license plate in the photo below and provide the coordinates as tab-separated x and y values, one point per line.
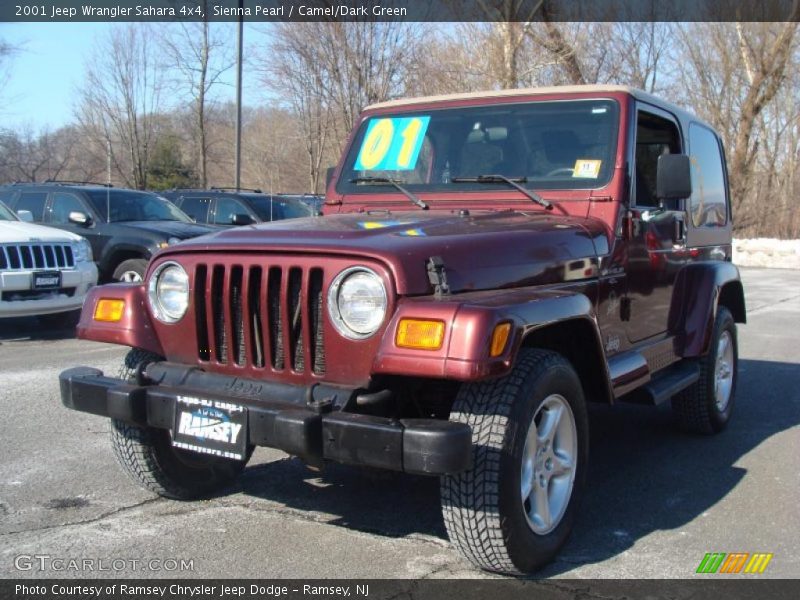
46	280
212	427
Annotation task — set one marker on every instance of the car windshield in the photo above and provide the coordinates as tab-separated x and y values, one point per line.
276	208
544	145
128	205
6	214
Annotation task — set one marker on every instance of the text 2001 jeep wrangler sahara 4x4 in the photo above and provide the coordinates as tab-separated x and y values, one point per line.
489	263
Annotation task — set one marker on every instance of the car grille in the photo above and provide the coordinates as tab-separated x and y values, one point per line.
260	316
36	256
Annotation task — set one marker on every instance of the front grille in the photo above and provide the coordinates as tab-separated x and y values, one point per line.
260	316
16	257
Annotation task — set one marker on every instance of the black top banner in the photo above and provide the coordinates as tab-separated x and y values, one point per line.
398	10
384	589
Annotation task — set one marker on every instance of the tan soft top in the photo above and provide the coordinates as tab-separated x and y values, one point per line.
562	89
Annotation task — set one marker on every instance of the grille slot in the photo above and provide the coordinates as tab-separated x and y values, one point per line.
260	317
201	312
317	347
275	318
217	314
296	345
36	256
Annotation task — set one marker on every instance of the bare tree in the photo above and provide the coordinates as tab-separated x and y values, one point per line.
731	73
199	56
31	156
120	99
331	70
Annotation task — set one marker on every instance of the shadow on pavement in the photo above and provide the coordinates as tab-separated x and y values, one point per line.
644	475
32	329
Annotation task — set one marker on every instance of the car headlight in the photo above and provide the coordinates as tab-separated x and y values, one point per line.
82	251
357	302
168	292
170	242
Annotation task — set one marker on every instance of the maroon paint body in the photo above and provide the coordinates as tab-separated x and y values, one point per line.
646	301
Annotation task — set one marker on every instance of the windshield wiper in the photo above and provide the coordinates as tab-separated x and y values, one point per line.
394	183
513	182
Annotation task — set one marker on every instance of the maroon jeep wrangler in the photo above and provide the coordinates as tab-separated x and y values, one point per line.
488	264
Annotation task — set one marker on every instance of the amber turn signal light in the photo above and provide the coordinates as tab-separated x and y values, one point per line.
499	339
109	309
419	334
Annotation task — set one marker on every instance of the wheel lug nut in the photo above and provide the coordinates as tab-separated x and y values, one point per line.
549	464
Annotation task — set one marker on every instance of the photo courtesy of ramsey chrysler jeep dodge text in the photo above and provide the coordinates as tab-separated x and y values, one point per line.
487	265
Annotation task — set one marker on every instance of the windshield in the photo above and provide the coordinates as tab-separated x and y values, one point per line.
548	145
6	214
128	205
275	208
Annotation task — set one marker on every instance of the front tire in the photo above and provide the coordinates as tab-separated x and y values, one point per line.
513	510
706	406
130	271
148	457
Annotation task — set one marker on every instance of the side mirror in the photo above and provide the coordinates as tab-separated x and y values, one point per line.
25	215
673	177
242	219
80	218
329	176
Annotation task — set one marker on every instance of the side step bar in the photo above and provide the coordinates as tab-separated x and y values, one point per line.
666	384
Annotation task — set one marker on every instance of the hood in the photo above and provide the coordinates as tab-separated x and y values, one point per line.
19	232
171	228
481	251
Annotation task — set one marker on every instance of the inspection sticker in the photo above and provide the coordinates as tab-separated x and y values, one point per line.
587	169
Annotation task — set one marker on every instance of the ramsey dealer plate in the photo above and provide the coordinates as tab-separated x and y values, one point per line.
210	427
46	280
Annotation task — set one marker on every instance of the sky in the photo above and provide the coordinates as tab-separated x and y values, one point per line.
47	70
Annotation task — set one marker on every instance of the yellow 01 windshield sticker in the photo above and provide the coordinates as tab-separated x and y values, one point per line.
587	169
392	144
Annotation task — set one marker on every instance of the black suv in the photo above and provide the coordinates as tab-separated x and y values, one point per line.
140	223
231	206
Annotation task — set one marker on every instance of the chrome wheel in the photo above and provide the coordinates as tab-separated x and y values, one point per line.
548	464
723	371
130	277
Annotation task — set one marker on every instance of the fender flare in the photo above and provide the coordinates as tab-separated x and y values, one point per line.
699	287
135	329
470	320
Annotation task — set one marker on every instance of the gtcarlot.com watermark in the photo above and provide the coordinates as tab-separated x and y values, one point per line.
50	563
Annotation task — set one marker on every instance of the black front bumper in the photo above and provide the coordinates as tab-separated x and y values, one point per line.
294	419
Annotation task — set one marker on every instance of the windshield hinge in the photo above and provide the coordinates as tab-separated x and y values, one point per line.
437	276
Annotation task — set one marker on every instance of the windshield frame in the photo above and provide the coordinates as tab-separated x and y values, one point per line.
344	188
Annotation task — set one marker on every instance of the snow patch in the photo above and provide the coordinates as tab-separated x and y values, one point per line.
767	252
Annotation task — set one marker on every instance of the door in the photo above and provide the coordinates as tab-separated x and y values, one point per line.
57	214
656	231
196	207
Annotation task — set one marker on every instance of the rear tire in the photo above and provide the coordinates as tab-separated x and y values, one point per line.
706	406
150	460
130	271
490	511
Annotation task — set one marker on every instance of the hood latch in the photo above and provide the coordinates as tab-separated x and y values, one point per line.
438	276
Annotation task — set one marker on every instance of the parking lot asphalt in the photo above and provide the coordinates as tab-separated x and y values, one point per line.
657	500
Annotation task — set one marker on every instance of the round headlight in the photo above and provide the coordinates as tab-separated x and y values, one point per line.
357	302
168	292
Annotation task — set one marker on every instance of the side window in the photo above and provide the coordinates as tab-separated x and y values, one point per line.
196	208
63	204
707	205
34	202
654	136
226	209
